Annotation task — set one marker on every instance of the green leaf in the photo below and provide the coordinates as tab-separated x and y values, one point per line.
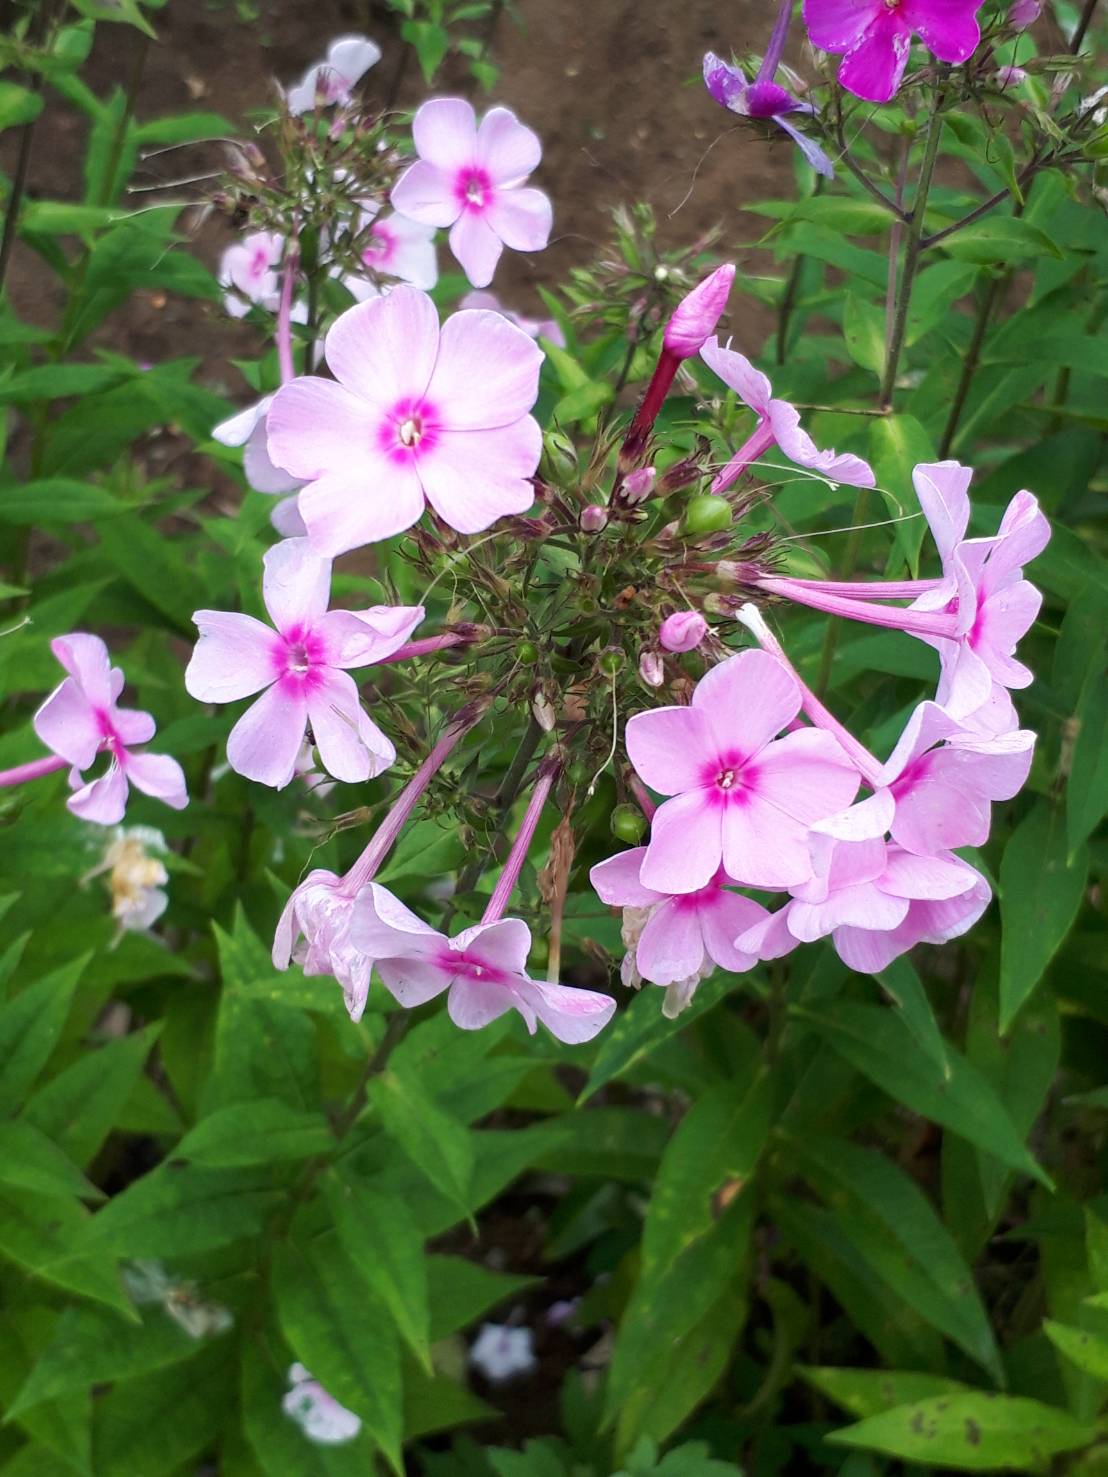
384	1245
263	1131
1087	786
933	293
1040	893
864	333
461	1291
865	1392
878	1043
431	42
57	381
902	983
37	1234
437	1144
439	1404
30	1026
31	1161
348	1343
18	105
58	500
184	128
156	1423
971	1433
1081	1346
1000	240
897	443
848	217
157	569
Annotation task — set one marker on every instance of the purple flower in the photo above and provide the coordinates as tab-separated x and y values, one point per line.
471	179
414	415
299	668
483	969
330	81
695	317
80	720
314	932
764	101
741	797
875	36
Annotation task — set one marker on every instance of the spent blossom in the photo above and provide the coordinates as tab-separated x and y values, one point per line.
318	1414
328	82
471	178
874	37
764	100
300	668
136	874
407	421
81	720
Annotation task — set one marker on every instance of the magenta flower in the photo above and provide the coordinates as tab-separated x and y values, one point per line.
683	630
331	81
397	247
299	668
471	179
741	796
675	939
314	932
248	429
533	327
763	101
80	720
778	423
248	270
876	902
875	36
416	414
483	968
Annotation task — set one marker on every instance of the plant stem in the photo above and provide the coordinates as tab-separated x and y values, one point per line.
1082	27
19	184
969	364
509	876
896	237
912	252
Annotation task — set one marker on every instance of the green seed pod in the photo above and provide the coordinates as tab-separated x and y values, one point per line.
628	823
706	514
528	653
612	661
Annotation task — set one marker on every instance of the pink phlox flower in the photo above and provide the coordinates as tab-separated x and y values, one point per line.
943	779
247	429
778	422
329	82
318	1414
414	414
684	630
471	179
982	585
396	247
742	797
483	970
533	327
300	669
80	719
248	270
874	37
765	102
501	1352
314	932
677	939
875	901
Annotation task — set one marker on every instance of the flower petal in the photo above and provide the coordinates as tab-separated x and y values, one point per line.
805	775
236	656
67	724
476	246
671	945
104	800
352	57
357	638
771	938
747	699
264	743
315	426
158	775
943	492
837	25
506	149
932	877
445	132
762	847
737	372
686	844
571	1015
425	193
722	920
872	69
472	478
812	151
412	980
508	383
362	505
86	660
296	585
521	218
384	350
473	1004
670	748
616	881
795	442
351	746
948	28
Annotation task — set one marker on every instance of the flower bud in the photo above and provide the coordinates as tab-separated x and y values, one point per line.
683	630
543	709
638	485
628	823
1009	77
1024	13
695	318
594	518
611	661
651	668
707	514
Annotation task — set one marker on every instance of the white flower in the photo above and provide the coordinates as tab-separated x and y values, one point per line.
500	1352
149	1282
319	1415
135	876
330	81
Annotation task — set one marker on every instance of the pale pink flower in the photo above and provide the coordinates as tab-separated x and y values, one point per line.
778	423
247	429
876	901
314	932
483	969
501	1352
1009	77
329	82
675	939
318	1414
639	484
533	327
876	35
742	797
80	720
248	270
299	668
414	414
471	179
396	247
683	630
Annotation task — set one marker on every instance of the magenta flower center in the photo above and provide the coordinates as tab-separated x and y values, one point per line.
473	188
380	247
471	967
259	262
300	653
729	780
411	428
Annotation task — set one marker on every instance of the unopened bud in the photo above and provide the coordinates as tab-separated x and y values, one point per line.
1009	77
628	823
695	318
651	668
683	630
707	514
611	661
594	518
561	453
737	572
1024	13
638	485
543	709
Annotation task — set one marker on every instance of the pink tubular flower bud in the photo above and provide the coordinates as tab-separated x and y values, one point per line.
695	318
651	668
638	485
1009	77
683	630
594	518
1024	13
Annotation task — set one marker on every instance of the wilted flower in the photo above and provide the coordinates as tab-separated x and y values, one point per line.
764	101
149	1282
331	81
136	875
319	1415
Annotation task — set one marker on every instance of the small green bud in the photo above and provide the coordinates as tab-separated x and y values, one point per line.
612	661
628	823
706	514
528	653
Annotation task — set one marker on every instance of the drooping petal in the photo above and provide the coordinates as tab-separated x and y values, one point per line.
737	372
747	699
933	877
671	946
573	1016
812	151
315	426
476	247
260	470
158	775
508	383
132	726
521	218
473	1004
425	193
383	926
943	492
502	945
771	938
384	350
686	844
506	149
104	800
352	57
264	743
670	748
472	478
870	950
236	656
948	28
67	724
413	980
357	638
286	520
296	585
360	506
795	442
86	659
444	130
238	428
351	746
873	68
861	906
616	881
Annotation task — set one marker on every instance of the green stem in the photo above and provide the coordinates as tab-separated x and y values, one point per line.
969	365
912	252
